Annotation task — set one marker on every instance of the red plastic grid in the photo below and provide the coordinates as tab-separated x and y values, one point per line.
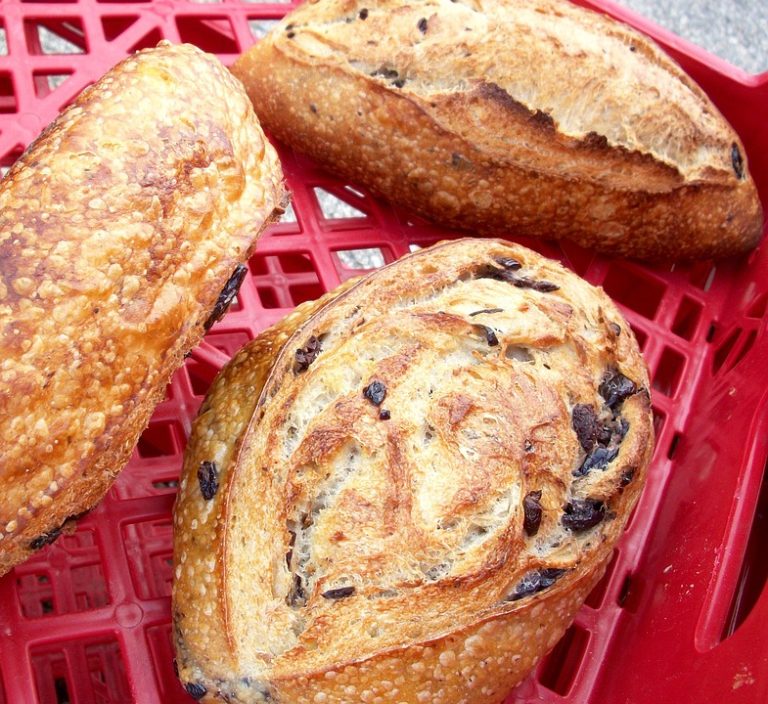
87	619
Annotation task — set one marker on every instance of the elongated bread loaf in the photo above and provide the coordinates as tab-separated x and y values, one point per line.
404	491
522	117
119	228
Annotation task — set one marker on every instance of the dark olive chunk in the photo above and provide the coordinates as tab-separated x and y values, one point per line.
540	285
304	356
599	458
488	271
536	581
297	596
508	263
613	433
585	425
363	14
384	414
581	515
226	296
195	690
208	476
615	387
422	25
532	512
489	333
375	392
486	310
627	476
737	161
45	539
340	593
604	434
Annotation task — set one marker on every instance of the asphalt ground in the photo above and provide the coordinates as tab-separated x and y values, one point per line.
734	30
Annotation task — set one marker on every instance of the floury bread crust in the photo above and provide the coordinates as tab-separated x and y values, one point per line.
119	228
530	117
405	490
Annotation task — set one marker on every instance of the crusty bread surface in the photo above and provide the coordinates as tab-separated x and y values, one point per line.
119	228
521	117
405	490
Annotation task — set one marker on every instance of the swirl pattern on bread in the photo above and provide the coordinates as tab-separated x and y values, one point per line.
419	479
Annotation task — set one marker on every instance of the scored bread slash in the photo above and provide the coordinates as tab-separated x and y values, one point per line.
535	117
420	503
124	229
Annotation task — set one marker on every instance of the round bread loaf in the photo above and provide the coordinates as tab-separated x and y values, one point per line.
405	490
123	229
536	117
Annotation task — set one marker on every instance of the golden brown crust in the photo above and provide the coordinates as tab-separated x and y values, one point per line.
607	142
346	551
448	669
119	227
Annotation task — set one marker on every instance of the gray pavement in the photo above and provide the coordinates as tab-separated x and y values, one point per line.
735	30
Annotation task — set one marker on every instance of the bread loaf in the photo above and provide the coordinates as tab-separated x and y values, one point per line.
405	491
522	117
119	228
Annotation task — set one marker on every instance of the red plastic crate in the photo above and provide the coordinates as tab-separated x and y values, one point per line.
681	613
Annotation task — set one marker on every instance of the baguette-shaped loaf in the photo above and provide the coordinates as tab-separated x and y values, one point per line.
404	491
522	117
119	228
